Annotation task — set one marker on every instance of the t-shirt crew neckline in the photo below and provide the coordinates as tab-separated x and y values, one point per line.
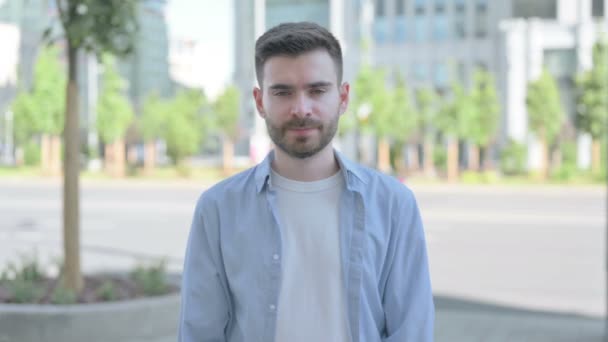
314	186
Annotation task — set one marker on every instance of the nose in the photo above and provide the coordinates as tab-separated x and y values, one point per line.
302	106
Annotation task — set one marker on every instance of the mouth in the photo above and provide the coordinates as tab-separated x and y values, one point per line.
302	130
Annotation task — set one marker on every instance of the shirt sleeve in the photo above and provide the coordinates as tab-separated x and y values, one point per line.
205	308
408	298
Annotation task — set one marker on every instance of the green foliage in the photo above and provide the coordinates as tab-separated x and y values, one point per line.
186	125
453	115
513	158
369	91
23	280
545	113
592	88
226	110
31	153
62	295
114	110
486	177
99	26
402	120
481	123
426	100
107	291
42	109
568	169
152	280
440	158
153	117
24	291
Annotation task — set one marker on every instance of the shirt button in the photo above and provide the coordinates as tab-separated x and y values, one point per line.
272	307
275	257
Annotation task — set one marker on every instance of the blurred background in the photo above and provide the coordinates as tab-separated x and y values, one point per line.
494	112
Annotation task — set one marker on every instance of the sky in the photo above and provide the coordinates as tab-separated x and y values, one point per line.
210	22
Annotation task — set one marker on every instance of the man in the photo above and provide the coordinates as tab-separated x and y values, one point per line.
306	246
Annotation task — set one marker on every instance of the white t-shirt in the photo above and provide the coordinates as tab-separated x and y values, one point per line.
312	305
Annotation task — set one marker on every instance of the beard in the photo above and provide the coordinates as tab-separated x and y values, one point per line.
302	147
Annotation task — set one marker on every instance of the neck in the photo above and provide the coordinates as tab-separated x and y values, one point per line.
319	166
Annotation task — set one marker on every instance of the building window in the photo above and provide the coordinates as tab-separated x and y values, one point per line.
420	72
400	7
440	77
440	6
597	9
481	19
462	72
460	27
400	29
459	5
420	6
420	28
560	62
481	5
380	8
440	27
546	9
381	30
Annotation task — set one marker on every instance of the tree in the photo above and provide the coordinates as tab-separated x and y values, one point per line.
451	121
545	114
40	111
592	100
401	120
99	27
427	108
483	118
151	124
115	114
226	109
365	86
186	125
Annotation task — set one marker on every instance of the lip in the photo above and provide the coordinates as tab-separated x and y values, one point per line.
302	131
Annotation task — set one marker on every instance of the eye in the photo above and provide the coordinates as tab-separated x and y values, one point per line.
318	91
282	93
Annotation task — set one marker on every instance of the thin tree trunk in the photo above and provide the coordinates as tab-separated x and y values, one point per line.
413	159
108	159
72	276
149	157
45	154
452	159
119	158
544	157
596	156
55	155
384	158
227	156
429	164
473	157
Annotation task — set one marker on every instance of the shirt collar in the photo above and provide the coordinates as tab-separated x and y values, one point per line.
348	168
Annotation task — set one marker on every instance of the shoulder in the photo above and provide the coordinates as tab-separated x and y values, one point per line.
378	184
224	191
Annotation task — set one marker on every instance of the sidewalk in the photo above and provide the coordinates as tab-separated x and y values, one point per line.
466	321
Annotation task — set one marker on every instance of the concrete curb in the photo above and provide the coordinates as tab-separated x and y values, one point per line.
133	320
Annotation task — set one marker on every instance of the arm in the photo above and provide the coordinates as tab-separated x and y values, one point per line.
408	299
205	303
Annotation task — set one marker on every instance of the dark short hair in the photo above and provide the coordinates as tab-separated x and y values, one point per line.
294	39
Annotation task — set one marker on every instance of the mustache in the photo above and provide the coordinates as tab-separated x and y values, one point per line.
302	123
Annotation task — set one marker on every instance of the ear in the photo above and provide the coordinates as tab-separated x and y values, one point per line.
344	97
259	104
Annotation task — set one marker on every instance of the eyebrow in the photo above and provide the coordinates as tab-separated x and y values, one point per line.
280	86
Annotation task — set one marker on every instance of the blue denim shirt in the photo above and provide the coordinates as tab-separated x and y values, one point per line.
232	274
